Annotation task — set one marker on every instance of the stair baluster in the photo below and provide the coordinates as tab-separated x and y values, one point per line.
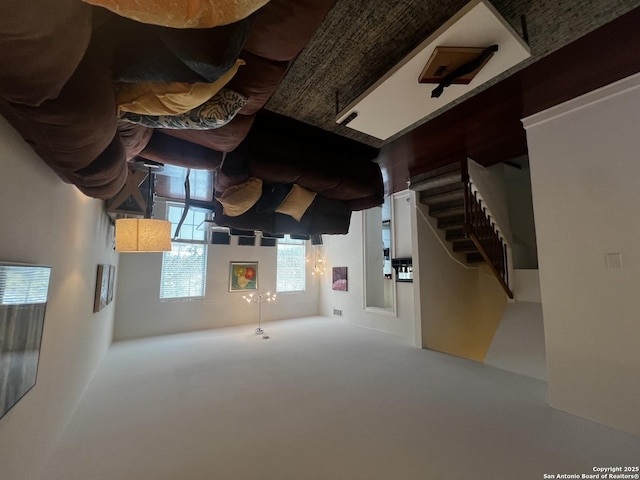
479	228
447	190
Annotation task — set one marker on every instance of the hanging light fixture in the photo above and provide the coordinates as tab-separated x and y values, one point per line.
319	263
144	234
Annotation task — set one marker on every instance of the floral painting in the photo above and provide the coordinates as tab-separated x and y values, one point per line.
243	276
340	279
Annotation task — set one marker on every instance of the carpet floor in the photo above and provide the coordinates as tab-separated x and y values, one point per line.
320	399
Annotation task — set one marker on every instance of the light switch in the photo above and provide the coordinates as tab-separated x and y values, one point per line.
614	261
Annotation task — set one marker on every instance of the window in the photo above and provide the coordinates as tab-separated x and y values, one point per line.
184	268
291	265
189	231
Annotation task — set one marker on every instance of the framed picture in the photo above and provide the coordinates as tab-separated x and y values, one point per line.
102	288
23	301
243	276
112	283
340	282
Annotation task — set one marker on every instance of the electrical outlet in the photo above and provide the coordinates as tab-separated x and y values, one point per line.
337	311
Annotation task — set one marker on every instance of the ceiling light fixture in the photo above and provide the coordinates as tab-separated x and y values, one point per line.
144	234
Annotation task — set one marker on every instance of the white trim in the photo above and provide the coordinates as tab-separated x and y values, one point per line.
392	311
604	93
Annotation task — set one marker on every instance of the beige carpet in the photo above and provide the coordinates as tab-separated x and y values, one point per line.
320	399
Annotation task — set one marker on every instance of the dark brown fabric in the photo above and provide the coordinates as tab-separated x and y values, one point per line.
317	181
174	151
134	138
283	27
222	139
365	203
359	178
149	53
272	172
224	181
349	189
71	131
324	216
106	175
257	80
342	183
58	91
41	44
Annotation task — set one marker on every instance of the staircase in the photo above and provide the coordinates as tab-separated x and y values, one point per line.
461	215
443	191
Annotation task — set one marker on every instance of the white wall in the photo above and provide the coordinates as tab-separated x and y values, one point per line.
521	221
141	313
526	285
45	221
373	258
491	186
518	345
346	251
585	175
460	307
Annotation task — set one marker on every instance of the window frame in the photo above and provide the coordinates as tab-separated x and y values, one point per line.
288	241
181	243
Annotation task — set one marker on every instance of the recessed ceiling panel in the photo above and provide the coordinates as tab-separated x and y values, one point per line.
398	100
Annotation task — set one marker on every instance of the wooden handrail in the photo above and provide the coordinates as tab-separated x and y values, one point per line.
479	228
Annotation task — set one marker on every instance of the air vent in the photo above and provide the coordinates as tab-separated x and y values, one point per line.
337	311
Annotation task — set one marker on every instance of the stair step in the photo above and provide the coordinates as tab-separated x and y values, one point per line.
449	178
464	246
451	222
475	258
446	210
455	234
445	193
436	172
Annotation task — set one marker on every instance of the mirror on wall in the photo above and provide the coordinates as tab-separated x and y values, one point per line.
379	285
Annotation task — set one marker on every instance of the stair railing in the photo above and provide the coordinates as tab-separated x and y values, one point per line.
482	231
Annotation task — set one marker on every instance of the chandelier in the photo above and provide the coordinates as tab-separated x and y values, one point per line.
318	262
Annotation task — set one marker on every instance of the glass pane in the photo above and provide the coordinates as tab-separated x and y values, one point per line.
23	284
291	268
184	271
189	230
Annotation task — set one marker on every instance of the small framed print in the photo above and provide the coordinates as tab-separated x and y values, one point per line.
112	283
339	279
243	276
102	288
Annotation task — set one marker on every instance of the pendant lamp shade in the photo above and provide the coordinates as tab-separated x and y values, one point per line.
143	235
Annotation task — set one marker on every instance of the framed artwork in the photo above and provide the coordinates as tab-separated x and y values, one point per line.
243	276
23	301
340	282
112	283
102	288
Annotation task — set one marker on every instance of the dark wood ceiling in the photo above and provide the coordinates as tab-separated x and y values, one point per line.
360	41
487	127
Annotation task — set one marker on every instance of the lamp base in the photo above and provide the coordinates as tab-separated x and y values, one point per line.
148	165
259	331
